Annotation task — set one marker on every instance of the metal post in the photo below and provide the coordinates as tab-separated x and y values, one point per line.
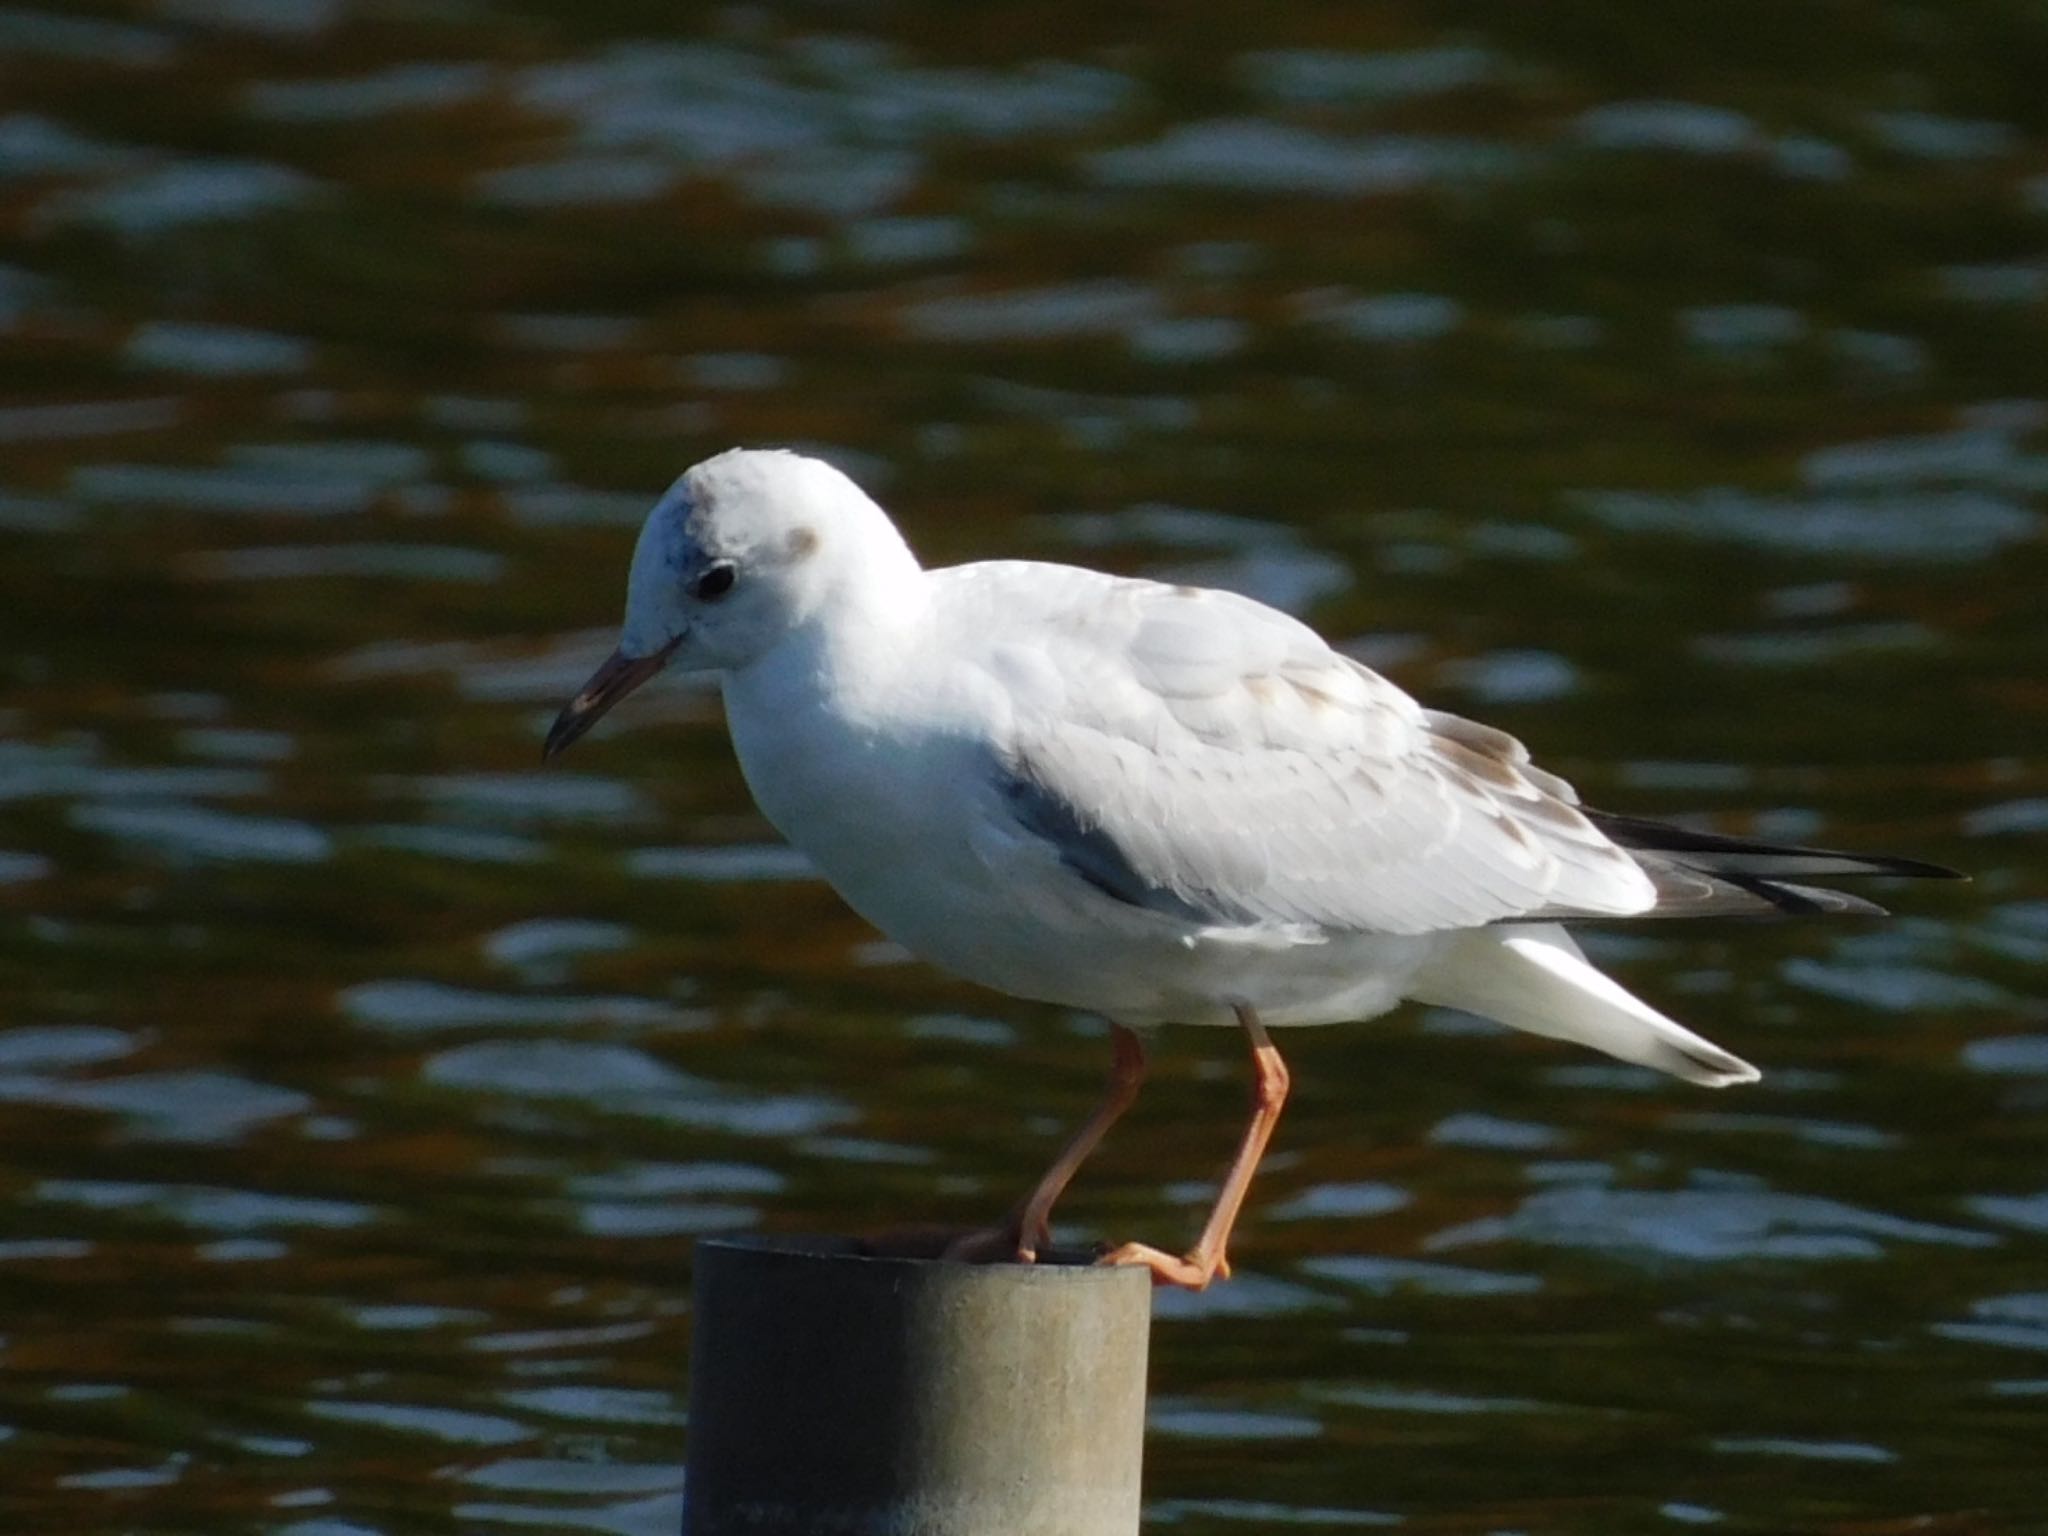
835	1394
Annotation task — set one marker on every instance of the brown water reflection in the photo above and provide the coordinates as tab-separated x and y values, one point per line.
1668	394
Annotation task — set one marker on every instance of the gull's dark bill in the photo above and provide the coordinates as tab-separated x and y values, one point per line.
619	676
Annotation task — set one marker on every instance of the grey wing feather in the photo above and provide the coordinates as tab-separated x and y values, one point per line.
1089	851
1212	760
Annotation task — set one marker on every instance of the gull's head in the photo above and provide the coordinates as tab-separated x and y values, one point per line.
742	551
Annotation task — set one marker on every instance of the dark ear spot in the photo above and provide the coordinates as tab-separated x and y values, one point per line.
803	543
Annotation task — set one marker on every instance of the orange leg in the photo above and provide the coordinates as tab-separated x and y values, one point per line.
1205	1261
1029	1227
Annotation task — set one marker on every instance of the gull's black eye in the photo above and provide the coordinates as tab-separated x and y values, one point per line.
716	582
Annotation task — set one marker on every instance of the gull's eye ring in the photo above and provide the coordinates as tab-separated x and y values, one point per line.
716	582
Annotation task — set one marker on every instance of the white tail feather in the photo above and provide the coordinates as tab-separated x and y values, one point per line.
1535	978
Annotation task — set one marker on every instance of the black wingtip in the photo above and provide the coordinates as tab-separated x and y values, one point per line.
1723	855
1804	900
1913	869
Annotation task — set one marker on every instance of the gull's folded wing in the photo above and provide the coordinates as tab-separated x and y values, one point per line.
1209	759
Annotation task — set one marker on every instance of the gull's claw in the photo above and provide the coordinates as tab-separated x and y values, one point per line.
1191	1272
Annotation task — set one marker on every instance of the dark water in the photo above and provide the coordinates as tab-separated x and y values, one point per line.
1663	384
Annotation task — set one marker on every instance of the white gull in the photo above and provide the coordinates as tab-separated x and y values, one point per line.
1159	803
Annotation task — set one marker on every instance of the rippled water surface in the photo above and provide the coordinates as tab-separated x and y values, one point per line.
1664	386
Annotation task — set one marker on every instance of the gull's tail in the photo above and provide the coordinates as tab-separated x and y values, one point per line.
1703	874
1532	976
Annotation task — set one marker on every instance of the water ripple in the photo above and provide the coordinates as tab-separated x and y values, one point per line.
1704	1224
194	832
409	1006
216	1210
197	1105
623	1080
451	1425
1187	1418
1388	1277
1250	155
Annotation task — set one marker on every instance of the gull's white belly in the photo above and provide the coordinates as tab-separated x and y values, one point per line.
1143	978
1092	953
895	835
